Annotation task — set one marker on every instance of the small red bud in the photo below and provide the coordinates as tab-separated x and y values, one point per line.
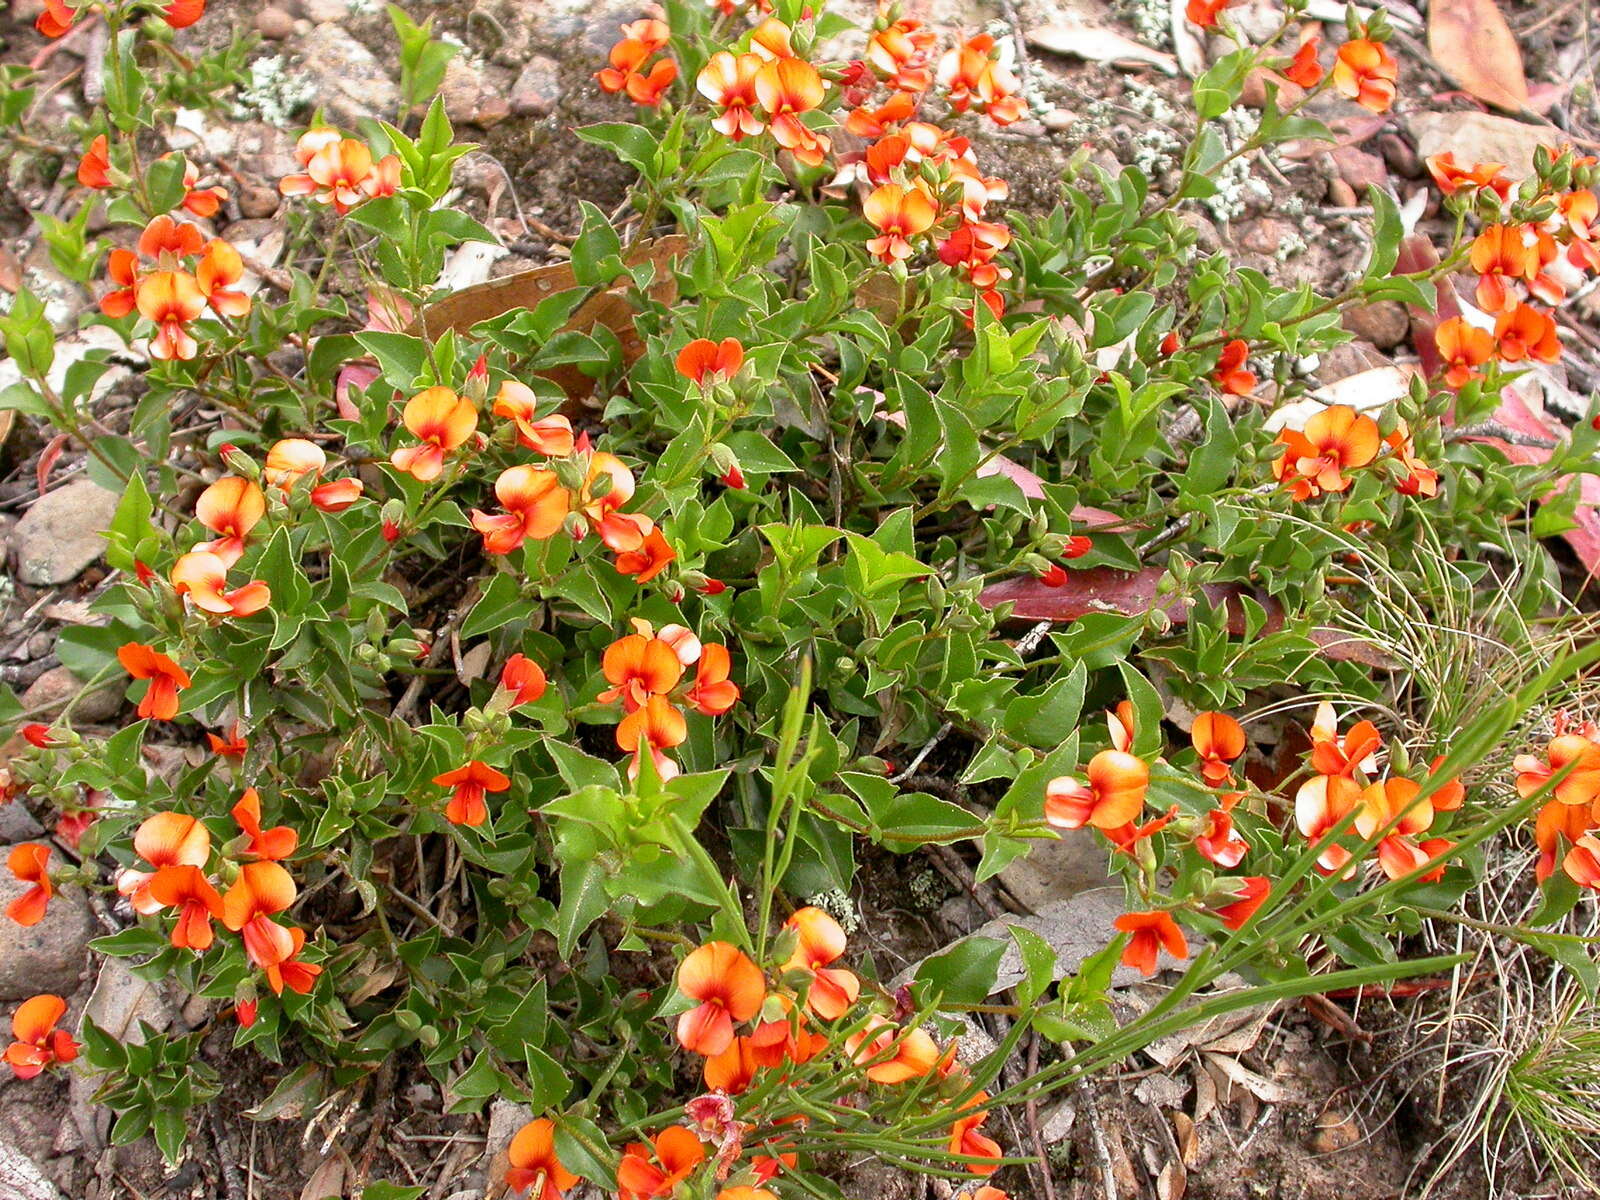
1077	546
733	478
38	735
245	1013
1169	344
713	587
1053	576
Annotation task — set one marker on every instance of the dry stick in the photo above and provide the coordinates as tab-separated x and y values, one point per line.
1031	1116
1097	1139
1504	433
230	1169
949	864
926	750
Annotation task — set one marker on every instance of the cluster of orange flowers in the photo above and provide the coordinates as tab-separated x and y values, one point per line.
58	16
1572	814
339	171
726	990
177	849
1517	262
627	71
168	288
646	672
1112	796
1338	439
1363	68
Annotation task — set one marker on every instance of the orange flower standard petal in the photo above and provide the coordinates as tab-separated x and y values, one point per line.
273	844
38	1043
1366	72
1151	932
202	576
534	1168
1113	796
166	678
729	989
231	507
29	863
471	782
190	892
443	421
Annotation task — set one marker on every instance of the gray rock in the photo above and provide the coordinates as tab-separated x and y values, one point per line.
319	11
60	535
1057	870
350	81
17	824
1384	324
51	692
49	956
538	87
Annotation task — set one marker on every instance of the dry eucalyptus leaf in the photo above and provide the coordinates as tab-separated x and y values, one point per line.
1098	45
328	1180
1256	1084
1472	44
1188	1139
1205	1093
1173	1182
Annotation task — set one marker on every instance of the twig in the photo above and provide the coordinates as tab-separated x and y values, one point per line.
949	864
1097	1139
1493	429
927	749
1031	1117
441	642
1029	642
225	1161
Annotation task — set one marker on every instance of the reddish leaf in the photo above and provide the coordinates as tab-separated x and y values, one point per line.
1417	254
1472	44
1106	589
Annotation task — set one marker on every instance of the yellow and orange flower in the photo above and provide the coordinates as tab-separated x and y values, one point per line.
190	892
788	88
550	436
1501	253
444	421
290	459
1315	459
262	890
892	1054
535	506
273	844
203	577
36	1042
656	1169
898	214
821	942
231	507
534	1168
1218	740
1450	178
219	269
1464	348
729	989
1392	804
729	81
1366	72
170	299
1112	797
638	667
656	726
339	171
1523	332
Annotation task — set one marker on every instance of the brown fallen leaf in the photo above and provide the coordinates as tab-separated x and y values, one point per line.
1109	590
1472	44
1098	45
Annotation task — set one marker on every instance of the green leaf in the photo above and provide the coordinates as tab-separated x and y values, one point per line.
962	975
501	603
581	1146
583	902
1387	231
597	254
130	525
1038	964
382	1189
633	144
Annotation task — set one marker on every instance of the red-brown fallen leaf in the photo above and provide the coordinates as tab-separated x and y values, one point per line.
1417	254
1472	44
1521	410
1347	131
1129	593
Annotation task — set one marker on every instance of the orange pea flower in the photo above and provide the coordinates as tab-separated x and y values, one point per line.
1582	783
900	51
1304	70
338	171
1314	460
1523	332
1113	796
1501	253
703	361
656	1169
972	77
273	844
293	972
657	726
168	241
1366	72
337	494
1220	841
729	81
56	18
772	39
1559	824
713	693
471	781
653	555
734	1069
523	678
729	989
167	679
1204	13
639	667
534	1166
1252	893
290	459
443	420
1230	373
1464	348
1218	740
744	1191
231	507
899	214
892	1054
1582	862
172	839
1420	479
536	505
1392	804
1450	178
820	942
202	576
220	268
262	890
1320	804
550	436
171	299
620	531
788	87
966	1138
94	168
29	863
1152	932
37	1042
180	14
190	892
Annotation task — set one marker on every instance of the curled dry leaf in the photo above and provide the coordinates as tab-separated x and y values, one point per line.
1258	1085
1098	45
1109	590
1472	44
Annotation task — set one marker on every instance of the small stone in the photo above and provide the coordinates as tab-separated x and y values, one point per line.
1208	240
1358	168
52	691
1334	1130
1400	155
460	91
1341	194
1347	359
60	535
1253	94
1384	324
350	82
1263	236
17	824
318	11
274	24
537	88
258	201
40	644
49	956
1059	120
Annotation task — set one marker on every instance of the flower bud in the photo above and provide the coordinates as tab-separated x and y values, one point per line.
240	463
477	385
408	1020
